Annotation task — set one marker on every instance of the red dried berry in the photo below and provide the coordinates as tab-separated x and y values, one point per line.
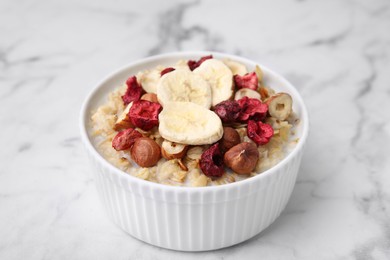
211	162
260	132
252	109
192	64
125	139
166	70
134	90
249	80
228	111
144	114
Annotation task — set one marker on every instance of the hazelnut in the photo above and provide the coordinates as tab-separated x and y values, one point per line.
264	93
171	150
123	121
242	158
150	97
145	152
280	106
182	165
247	92
229	138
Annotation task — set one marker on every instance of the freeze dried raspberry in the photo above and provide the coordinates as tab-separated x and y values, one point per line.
252	109
228	111
249	80
134	91
192	64
166	70
211	162
144	114
260	132
125	139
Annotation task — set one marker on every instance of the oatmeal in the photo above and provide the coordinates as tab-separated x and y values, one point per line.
195	123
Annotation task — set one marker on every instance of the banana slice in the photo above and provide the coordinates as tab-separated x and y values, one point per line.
182	64
149	79
236	67
189	123
220	78
183	85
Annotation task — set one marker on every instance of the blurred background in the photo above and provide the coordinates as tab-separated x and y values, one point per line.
336	53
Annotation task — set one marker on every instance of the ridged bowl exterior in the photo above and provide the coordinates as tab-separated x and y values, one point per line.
195	219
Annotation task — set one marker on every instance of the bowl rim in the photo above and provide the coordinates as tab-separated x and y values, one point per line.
304	119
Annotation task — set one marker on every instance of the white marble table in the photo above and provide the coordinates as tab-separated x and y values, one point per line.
337	53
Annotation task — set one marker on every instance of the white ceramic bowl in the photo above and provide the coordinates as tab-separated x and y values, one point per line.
193	218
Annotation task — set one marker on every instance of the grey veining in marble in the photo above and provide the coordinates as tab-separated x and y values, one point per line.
337	53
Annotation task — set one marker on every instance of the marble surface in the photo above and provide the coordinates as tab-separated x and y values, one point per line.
337	53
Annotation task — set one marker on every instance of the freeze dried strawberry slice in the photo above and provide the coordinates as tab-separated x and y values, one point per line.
249	80
125	139
228	111
211	162
252	109
144	114
134	90
260	132
166	70
192	64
